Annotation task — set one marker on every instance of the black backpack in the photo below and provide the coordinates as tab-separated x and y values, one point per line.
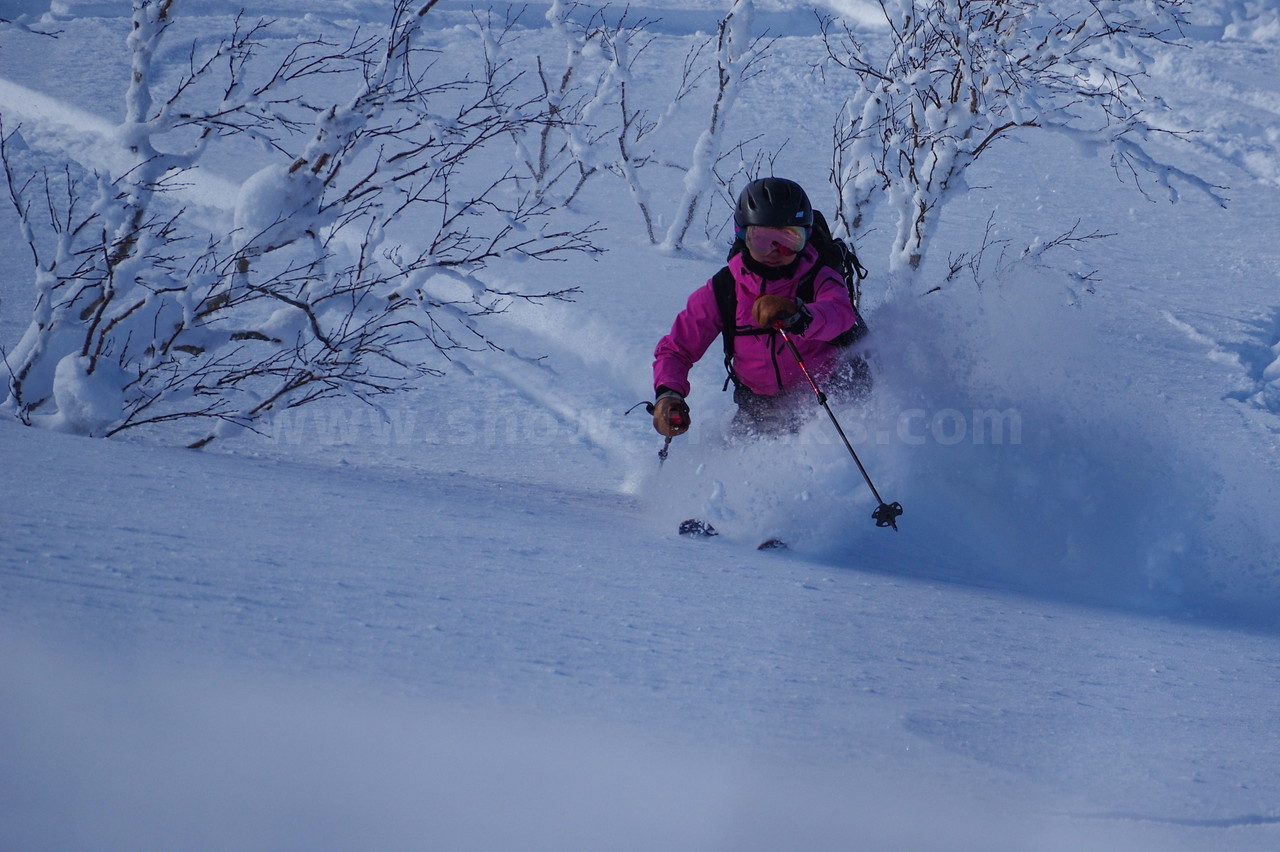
832	251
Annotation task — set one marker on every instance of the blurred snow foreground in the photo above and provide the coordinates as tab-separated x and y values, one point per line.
215	762
386	237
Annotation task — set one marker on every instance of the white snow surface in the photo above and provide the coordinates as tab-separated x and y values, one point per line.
465	621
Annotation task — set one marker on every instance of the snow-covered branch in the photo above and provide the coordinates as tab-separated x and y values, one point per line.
738	56
27	23
332	281
996	258
588	113
958	76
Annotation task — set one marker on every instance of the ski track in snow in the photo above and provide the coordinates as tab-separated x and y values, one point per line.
52	125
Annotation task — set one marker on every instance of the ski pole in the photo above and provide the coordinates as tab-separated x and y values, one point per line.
676	419
886	514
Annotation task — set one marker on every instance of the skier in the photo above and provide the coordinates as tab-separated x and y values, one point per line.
770	259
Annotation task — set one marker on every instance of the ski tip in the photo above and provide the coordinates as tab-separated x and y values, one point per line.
696	528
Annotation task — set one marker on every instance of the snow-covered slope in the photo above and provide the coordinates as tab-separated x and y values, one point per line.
465	622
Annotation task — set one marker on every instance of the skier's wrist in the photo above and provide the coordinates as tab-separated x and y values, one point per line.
798	322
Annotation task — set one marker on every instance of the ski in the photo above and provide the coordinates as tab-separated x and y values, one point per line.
698	528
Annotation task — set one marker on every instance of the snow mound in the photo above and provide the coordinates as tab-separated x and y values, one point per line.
89	396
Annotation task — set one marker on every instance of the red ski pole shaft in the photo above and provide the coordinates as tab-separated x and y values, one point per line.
885	514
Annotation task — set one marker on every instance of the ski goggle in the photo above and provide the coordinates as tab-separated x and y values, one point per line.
762	240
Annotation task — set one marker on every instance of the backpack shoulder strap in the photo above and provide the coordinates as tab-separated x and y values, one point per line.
808	283
723	286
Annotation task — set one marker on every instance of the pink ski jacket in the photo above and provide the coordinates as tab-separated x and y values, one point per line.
762	362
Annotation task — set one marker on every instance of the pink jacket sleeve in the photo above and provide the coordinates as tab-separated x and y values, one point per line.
832	312
692	333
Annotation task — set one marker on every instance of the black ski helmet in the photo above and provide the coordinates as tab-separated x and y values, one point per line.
773	202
